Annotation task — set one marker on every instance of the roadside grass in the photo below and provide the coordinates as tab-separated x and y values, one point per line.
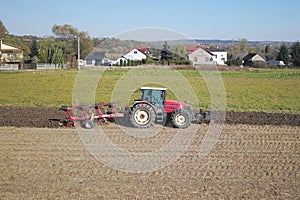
258	90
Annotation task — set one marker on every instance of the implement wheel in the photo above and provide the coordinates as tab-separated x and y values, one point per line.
88	124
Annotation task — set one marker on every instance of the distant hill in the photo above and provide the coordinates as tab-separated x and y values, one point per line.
216	42
114	47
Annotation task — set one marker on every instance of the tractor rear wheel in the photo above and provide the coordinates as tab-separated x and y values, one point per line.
181	118
142	116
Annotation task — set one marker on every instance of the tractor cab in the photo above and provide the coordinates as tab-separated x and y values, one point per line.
155	96
153	107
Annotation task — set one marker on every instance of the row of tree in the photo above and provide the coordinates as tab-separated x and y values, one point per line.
62	48
290	55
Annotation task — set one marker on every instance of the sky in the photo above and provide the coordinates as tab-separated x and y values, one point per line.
255	20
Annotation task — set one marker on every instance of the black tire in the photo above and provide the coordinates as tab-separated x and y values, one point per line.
88	124
142	116
181	119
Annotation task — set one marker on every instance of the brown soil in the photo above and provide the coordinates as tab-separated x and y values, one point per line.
247	162
51	116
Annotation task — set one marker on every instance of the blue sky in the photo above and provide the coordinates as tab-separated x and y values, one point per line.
200	19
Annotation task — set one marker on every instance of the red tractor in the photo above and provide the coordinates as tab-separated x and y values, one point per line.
153	107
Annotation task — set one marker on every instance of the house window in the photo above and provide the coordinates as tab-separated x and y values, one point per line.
89	62
195	59
135	52
11	55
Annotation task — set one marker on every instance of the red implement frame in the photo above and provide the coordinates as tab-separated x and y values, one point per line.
97	113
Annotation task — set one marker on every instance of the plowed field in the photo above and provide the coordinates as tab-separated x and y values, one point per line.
49	117
247	162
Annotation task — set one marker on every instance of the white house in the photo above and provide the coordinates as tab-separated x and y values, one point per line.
221	56
135	55
201	56
94	58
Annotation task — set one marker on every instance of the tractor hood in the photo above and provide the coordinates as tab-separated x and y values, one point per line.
173	105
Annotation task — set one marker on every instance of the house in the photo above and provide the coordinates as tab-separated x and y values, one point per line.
135	55
95	58
10	54
202	56
221	56
254	60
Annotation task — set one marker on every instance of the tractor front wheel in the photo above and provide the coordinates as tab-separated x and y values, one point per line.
142	116
181	118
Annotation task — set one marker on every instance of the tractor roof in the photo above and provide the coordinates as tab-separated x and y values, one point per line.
152	88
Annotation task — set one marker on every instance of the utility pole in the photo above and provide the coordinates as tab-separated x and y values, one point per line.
78	53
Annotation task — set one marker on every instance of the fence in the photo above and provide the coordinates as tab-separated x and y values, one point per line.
9	67
47	66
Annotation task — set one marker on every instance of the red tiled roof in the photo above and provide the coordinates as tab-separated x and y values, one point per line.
142	49
191	48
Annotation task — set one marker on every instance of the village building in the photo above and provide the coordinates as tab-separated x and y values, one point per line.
10	54
95	58
199	55
254	60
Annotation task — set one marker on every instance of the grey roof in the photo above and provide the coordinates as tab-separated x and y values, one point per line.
95	56
249	56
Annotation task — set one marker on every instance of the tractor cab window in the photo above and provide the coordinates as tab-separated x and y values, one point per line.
147	95
154	96
157	97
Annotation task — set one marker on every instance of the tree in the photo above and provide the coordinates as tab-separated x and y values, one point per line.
243	45
34	49
295	54
51	52
68	34
283	54
165	54
270	52
3	30
179	50
235	62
